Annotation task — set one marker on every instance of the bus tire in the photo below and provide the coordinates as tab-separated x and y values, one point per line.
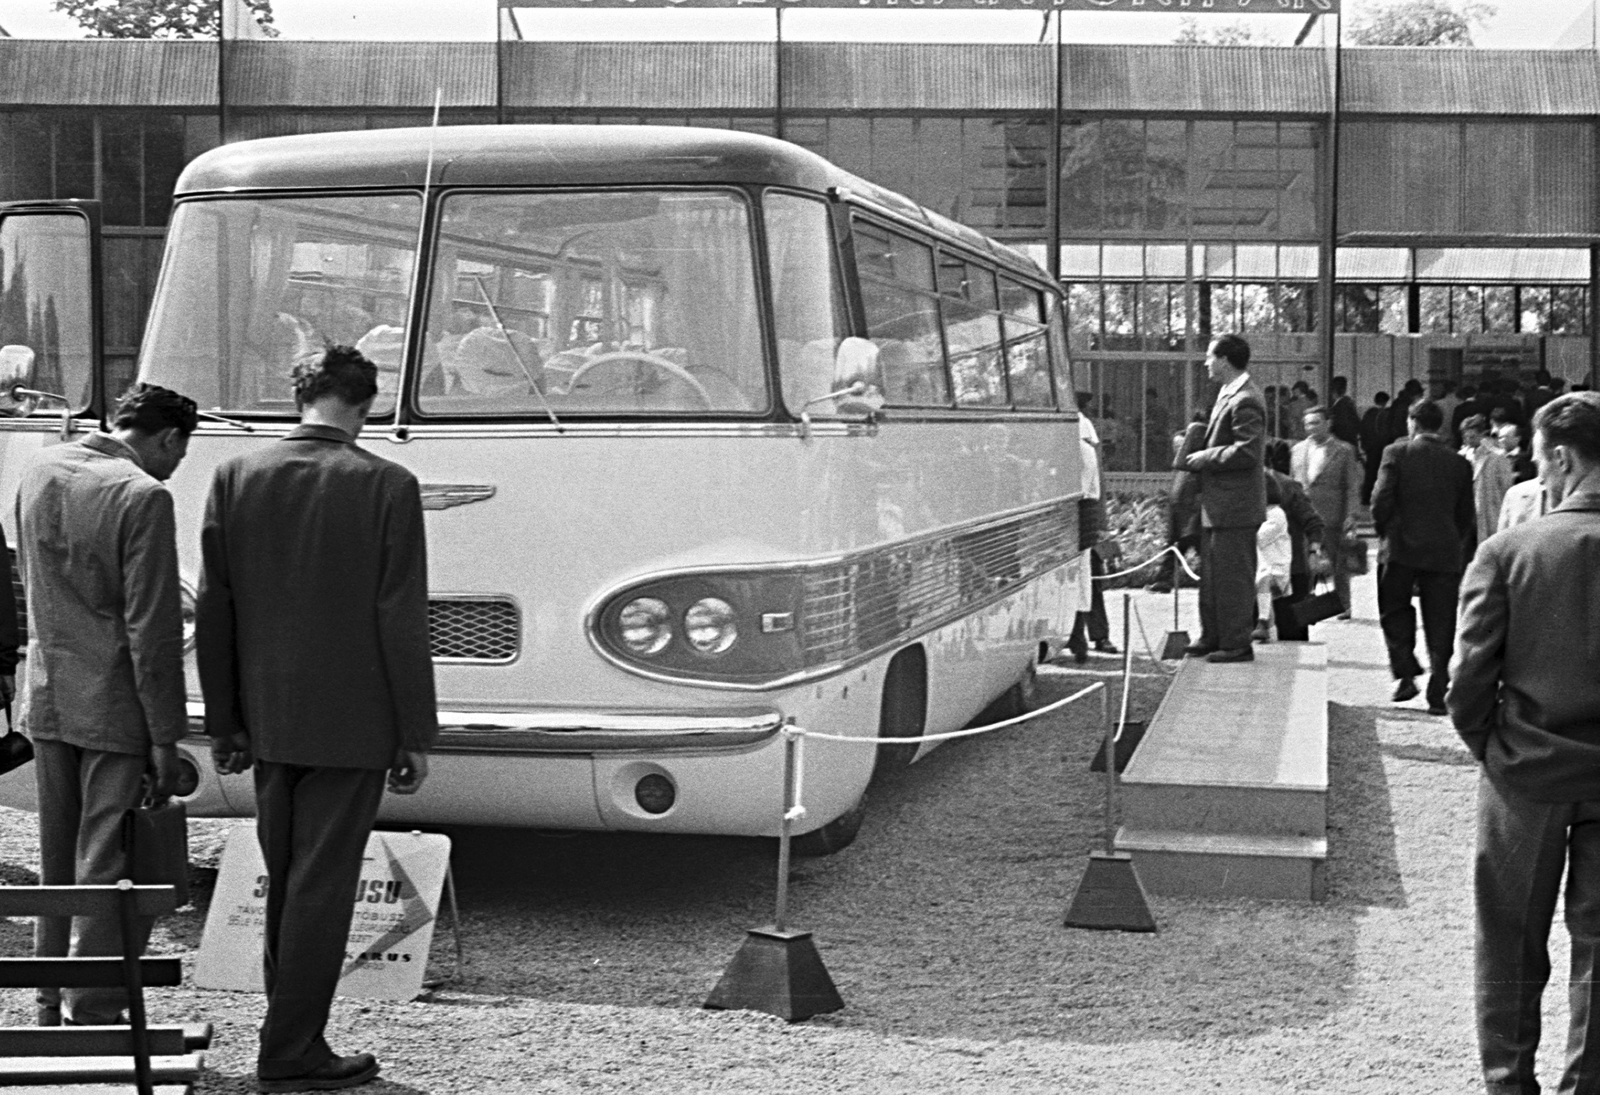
903	711
835	836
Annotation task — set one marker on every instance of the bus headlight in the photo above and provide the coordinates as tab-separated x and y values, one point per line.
710	625
646	626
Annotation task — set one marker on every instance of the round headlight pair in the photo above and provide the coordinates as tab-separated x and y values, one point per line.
709	625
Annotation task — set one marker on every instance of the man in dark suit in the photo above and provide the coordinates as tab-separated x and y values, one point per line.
1526	700
1422	507
314	662
1343	418
1372	443
1233	503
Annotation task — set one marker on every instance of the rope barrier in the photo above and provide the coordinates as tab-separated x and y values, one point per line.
1144	637
794	731
1170	549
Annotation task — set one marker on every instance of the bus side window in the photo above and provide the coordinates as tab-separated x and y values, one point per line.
807	298
1027	358
902	312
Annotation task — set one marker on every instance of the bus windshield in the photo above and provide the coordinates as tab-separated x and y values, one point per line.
619	302
249	285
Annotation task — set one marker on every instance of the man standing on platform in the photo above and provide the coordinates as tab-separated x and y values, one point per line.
314	661
1422	507
1526	700
1331	474
1233	503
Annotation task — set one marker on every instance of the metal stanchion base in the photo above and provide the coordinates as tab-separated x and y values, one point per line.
1110	896
1127	741
778	972
1177	642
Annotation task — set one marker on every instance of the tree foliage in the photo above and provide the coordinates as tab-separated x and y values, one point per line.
157	18
1190	32
1420	23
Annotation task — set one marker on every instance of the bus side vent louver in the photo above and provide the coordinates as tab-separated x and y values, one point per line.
474	629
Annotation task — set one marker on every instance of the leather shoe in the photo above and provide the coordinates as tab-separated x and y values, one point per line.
1199	650
15	751
1105	646
1406	690
1243	654
332	1075
1438	709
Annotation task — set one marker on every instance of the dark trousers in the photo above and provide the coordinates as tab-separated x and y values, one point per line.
1522	847
1438	591
1227	587
1094	622
1370	477
83	794
1291	630
313	825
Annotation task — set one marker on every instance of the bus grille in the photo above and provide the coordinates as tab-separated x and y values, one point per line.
475	630
875	598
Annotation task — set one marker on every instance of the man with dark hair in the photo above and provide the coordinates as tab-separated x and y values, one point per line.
1372	443
1525	699
314	662
1331	475
105	702
1422	507
1343	418
1233	503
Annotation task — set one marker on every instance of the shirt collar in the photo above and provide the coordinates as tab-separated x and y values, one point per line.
112	446
1236	383
319	433
1583	500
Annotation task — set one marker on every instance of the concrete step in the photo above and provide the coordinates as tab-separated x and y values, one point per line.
1227	793
1227	865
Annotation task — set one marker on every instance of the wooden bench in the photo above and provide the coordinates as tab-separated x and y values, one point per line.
90	1060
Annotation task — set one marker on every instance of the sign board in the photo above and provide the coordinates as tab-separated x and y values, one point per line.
1303	8
396	906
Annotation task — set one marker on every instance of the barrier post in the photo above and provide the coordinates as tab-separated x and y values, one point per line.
1110	895
776	970
1177	639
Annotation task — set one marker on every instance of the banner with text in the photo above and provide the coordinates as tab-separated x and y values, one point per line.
396	904
1147	7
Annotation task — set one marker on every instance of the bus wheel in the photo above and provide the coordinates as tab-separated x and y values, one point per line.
835	836
903	712
1015	701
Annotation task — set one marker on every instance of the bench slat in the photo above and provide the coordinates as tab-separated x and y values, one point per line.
14	1071
166	1041
82	900
81	973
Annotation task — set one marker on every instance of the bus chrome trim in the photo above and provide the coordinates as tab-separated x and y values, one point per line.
449	495
907	592
572	730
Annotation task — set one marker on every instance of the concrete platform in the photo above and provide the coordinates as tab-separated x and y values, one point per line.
1226	796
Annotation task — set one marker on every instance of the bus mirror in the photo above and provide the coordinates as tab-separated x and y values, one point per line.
16	369
862	399
856	362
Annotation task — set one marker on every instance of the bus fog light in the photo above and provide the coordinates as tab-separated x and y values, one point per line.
655	794
646	626
709	625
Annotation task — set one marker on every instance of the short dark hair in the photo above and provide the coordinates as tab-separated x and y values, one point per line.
1318	409
1380	399
1475	422
1427	414
343	371
150	408
1572	420
1234	350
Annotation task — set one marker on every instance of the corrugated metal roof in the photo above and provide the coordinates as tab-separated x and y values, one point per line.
1398	80
105	72
917	76
639	75
1196	79
346	75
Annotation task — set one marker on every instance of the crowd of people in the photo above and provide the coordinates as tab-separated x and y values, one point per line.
1486	503
312	643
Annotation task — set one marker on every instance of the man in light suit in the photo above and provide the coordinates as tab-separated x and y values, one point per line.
1525	699
1233	503
1422	507
312	628
1331	473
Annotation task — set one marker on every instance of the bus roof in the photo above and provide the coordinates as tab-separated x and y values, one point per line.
550	155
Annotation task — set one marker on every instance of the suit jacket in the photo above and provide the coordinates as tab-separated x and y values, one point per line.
1422	505
1524	695
1345	420
1305	523
98	546
1231	466
313	612
1336	488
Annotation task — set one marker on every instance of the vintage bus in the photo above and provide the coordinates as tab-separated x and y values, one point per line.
712	435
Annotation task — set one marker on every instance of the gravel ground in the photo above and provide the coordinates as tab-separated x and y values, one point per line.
588	957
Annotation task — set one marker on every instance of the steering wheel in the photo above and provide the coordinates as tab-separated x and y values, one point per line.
676	371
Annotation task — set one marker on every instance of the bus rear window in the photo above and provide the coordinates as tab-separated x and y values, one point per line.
249	285
625	302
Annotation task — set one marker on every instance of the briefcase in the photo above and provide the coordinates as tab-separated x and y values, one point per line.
1316	608
1353	555
156	839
